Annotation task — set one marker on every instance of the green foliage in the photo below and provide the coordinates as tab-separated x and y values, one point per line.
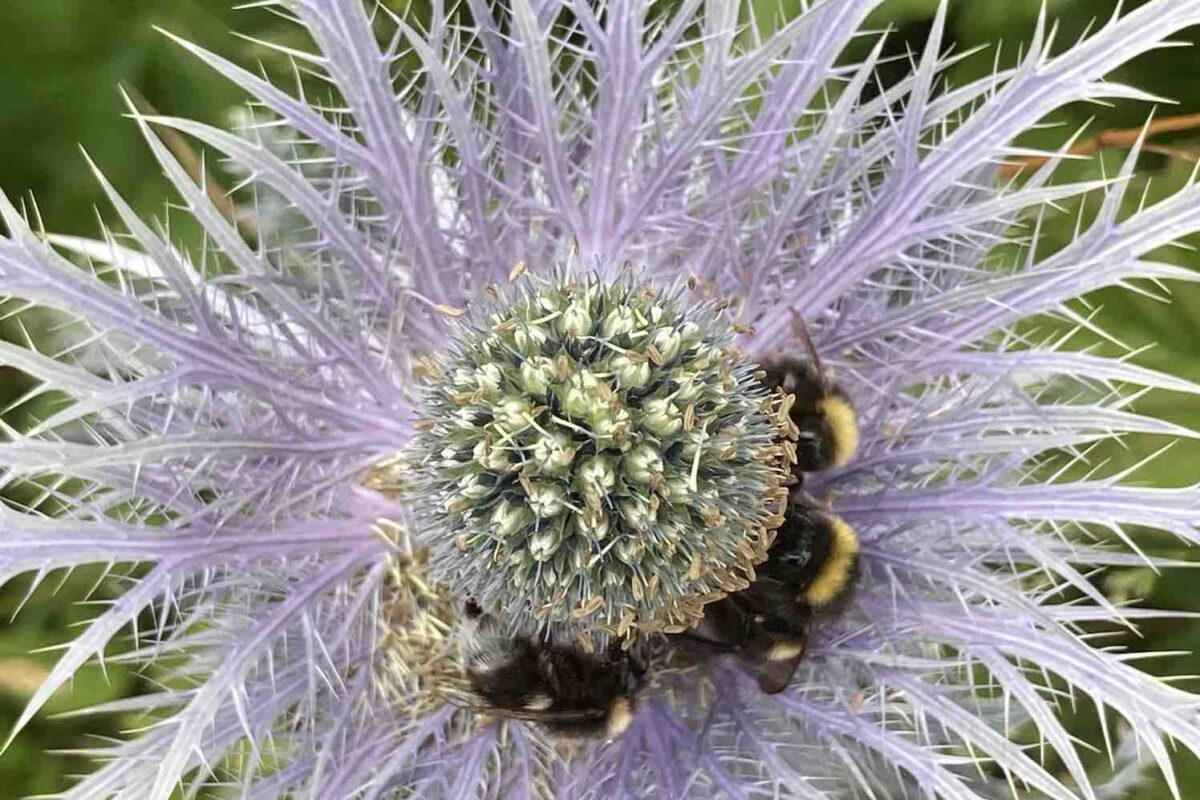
48	616
62	65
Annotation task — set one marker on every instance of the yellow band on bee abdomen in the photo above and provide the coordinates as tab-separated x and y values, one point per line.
843	425
837	570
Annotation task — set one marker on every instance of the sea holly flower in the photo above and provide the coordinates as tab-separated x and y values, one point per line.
306	434
603	447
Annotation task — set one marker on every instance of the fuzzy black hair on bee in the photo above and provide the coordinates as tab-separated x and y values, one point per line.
809	573
816	553
812	565
822	411
568	691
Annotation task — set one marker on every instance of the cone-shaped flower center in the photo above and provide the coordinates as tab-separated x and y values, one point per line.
594	460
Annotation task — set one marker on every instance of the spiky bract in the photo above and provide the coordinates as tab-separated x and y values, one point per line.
595	461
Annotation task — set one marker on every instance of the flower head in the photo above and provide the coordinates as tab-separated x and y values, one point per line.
595	461
321	437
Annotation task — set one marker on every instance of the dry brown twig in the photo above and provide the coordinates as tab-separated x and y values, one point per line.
1114	138
194	166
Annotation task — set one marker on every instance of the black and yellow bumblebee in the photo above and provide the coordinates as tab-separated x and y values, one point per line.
570	692
813	563
809	572
822	411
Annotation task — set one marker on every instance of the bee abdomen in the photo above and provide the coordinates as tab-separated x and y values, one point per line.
833	575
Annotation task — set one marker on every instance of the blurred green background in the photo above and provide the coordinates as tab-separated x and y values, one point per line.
61	62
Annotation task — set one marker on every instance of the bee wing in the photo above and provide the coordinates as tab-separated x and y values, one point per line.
801	332
537	715
708	632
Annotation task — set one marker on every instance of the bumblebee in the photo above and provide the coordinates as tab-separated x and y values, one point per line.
573	694
828	428
812	565
809	573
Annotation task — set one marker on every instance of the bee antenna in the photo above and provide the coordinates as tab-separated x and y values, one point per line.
801	330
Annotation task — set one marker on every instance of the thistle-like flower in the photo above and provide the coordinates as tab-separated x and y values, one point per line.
509	352
597	461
